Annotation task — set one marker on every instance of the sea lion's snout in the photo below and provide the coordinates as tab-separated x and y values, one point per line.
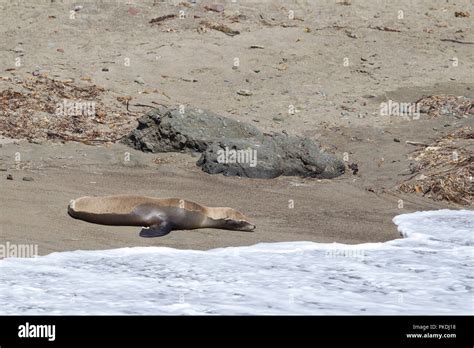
250	227
235	220
239	225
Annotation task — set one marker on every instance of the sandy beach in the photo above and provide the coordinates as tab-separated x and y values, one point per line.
180	61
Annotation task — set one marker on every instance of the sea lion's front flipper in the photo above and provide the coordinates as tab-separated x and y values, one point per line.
156	230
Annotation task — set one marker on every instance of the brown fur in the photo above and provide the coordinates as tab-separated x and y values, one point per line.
133	210
124	204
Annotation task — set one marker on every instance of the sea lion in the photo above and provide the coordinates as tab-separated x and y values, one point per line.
159	216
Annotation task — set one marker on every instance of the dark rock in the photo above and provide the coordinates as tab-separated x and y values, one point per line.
168	130
196	130
270	156
9	177
28	178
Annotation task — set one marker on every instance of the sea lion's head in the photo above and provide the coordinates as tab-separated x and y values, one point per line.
238	225
235	220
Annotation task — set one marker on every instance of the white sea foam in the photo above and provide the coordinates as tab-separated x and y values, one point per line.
427	272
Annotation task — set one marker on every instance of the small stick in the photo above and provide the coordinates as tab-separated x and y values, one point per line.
416	143
460	42
156	103
162	18
143	105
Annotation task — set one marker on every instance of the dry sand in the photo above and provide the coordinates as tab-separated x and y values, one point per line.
301	64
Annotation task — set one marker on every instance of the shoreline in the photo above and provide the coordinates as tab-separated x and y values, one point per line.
35	212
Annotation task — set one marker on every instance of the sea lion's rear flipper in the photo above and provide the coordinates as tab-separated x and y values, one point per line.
156	230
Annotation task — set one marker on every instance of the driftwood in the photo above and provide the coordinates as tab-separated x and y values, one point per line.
459	42
416	143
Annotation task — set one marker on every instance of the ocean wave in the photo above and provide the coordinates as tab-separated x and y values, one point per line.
430	271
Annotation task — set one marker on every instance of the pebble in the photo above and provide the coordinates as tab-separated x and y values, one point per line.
139	80
244	92
28	178
215	7
133	11
9	177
